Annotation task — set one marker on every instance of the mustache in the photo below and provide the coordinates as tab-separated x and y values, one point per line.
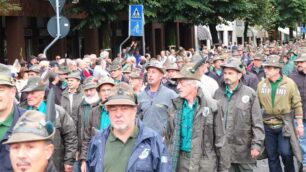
23	163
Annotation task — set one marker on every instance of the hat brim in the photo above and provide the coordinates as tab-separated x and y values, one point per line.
7	83
120	102
89	87
79	78
232	67
161	70
29	89
270	65
300	60
179	77
27	137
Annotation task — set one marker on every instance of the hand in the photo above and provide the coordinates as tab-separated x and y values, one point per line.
77	155
83	166
68	168
254	153
299	130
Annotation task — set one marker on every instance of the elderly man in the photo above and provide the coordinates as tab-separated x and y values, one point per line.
195	127
155	100
127	145
98	118
279	96
65	139
9	114
299	77
91	100
73	95
242	119
31	145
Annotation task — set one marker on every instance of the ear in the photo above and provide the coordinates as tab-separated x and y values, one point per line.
49	151
239	75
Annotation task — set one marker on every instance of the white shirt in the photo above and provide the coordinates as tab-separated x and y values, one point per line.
208	85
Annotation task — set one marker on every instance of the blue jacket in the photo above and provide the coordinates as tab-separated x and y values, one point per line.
157	160
5	165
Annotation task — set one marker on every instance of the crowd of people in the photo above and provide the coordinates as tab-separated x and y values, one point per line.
211	110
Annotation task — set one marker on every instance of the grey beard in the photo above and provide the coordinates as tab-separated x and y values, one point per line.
92	99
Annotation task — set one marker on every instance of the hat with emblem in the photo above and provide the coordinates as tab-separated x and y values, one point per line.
273	61
75	75
235	64
137	73
188	72
259	57
116	65
302	58
89	83
105	80
218	57
122	94
31	126
34	84
172	66
155	64
63	70
6	76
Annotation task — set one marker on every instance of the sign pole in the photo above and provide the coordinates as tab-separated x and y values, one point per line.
143	36
58	34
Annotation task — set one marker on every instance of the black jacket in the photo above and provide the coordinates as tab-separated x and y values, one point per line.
300	79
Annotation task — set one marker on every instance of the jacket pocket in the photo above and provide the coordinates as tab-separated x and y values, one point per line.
243	117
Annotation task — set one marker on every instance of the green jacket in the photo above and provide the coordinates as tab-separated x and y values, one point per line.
207	135
287	97
244	125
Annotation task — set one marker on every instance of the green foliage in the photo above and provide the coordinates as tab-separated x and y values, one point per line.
6	7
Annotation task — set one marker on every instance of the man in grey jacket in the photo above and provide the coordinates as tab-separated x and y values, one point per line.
155	100
242	120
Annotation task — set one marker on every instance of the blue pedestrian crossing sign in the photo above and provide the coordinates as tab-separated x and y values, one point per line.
303	29
136	20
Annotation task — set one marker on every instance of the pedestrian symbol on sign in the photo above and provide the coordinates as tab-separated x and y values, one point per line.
136	14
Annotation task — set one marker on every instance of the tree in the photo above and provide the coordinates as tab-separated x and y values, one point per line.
6	7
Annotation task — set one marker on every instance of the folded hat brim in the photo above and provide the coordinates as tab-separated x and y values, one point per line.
120	102
26	137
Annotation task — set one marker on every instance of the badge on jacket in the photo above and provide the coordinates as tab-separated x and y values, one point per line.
144	154
245	99
206	111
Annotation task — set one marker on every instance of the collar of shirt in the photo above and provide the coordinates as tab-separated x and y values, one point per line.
41	108
9	119
228	92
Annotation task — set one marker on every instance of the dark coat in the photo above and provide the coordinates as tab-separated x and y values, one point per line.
250	79
147	139
260	74
4	149
300	79
77	99
243	124
94	120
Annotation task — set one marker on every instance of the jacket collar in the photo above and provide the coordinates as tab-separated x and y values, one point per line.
17	113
